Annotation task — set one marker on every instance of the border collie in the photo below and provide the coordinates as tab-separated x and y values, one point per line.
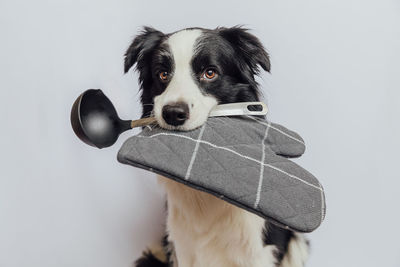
183	75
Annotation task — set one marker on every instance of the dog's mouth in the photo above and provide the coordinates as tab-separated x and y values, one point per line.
181	117
183	113
190	123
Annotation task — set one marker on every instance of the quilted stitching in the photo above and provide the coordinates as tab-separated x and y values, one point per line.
227	164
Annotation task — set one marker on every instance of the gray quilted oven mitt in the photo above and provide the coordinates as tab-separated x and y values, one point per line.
242	160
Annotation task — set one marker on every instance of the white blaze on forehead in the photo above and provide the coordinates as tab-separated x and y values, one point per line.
182	45
182	86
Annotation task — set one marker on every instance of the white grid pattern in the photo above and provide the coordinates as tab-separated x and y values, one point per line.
260	180
236	153
196	148
258	192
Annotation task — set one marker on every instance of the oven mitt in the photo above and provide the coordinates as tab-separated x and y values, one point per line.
242	160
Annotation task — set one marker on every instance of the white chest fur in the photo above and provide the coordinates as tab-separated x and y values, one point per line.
207	231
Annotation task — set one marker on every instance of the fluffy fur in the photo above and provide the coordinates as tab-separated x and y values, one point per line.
193	70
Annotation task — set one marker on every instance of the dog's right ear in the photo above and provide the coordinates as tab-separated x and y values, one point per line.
144	43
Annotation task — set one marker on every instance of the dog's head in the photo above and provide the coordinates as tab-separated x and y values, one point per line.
183	75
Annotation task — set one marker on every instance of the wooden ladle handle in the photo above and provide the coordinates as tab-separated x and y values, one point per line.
143	122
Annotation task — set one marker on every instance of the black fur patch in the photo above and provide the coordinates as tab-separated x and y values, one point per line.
274	235
141	52
149	260
167	247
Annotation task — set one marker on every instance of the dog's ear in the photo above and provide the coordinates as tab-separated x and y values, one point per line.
144	43
248	46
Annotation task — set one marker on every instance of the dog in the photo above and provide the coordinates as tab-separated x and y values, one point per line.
182	76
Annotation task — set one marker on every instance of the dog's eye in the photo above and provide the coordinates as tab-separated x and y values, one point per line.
164	76
209	74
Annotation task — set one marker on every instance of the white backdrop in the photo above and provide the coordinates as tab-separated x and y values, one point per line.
335	80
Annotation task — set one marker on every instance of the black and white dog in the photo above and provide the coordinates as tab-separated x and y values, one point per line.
183	75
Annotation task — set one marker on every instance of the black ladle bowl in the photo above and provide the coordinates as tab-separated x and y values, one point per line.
95	120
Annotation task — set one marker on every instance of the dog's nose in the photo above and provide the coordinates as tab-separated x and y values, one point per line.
175	114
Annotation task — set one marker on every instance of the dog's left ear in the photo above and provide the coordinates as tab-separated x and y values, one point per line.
248	46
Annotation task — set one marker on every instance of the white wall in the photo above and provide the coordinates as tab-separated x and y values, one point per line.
335	79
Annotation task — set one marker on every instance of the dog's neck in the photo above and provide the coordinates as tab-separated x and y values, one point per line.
192	204
212	228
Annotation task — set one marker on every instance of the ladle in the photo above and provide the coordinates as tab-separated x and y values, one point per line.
95	120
